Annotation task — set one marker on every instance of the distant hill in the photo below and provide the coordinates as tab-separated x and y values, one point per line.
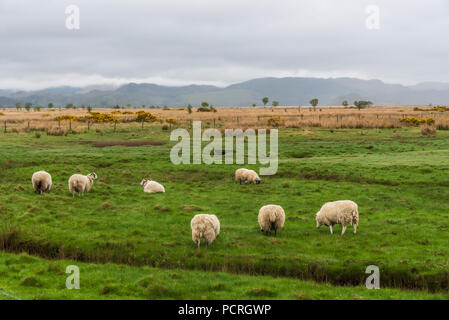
288	91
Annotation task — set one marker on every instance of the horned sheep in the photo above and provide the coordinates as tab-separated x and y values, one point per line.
80	183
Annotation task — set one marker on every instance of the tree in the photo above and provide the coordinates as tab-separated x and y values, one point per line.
189	108
265	101
69	105
345	103
50	105
362	104
89	108
314	103
254	104
204	104
28	106
18	106
275	103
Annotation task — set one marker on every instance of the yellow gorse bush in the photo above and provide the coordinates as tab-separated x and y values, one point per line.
171	121
275	121
437	108
145	116
416	122
66	117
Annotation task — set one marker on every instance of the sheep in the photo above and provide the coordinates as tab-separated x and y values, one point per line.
244	174
80	183
252	177
41	181
204	226
151	186
342	212
271	217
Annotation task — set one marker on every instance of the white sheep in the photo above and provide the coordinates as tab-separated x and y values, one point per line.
80	183
252	177
41	181
244	174
151	186
206	226
342	212
271	217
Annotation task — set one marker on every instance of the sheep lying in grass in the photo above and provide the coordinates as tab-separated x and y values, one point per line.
151	186
250	176
271	217
205	226
41	181
80	183
342	212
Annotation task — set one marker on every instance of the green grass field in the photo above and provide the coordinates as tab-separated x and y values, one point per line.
124	236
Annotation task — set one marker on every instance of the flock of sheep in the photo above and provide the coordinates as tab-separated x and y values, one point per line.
207	226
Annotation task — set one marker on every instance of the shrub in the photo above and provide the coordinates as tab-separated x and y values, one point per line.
276	122
416	122
145	116
204	109
428	130
171	121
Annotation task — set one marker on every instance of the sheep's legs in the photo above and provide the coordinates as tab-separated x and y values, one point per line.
331	227
355	229
275	232
343	230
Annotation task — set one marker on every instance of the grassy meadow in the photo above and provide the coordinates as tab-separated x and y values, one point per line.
129	244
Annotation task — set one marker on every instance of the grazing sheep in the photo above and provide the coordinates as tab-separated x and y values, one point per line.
342	212
41	181
271	217
151	186
250	176
205	226
79	183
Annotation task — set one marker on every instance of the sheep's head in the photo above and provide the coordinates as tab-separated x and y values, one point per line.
258	180
93	176
318	220
143	182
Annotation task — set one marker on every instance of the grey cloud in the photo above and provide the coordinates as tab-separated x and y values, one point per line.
220	41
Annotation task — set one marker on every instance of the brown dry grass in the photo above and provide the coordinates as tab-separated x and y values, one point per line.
252	117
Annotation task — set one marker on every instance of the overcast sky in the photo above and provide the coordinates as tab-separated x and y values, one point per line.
177	42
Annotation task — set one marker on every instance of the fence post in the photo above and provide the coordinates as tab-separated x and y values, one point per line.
5	126
28	124
214	122
143	120
115	125
88	125
59	124
70	124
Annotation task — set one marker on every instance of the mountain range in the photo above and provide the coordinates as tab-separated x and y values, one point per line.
291	91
